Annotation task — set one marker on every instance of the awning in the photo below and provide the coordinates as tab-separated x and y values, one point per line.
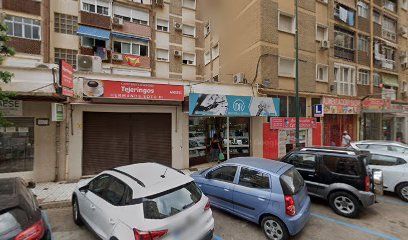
128	36
92	32
390	80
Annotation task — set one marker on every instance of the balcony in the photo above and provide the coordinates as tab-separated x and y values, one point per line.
95	20
346	54
388	64
131	60
23	6
132	28
93	52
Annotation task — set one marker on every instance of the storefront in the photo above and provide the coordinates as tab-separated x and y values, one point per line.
340	115
123	123
279	135
231	119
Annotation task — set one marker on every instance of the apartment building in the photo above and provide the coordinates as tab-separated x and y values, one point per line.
352	59
132	60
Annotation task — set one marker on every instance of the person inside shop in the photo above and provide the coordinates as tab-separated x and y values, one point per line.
346	139
215	148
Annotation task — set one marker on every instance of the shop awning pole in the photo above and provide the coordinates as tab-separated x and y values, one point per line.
228	139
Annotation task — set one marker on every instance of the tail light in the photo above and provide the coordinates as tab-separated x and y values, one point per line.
151	235
367	184
35	232
290	205
207	206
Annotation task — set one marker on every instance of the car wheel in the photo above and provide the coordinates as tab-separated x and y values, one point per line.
402	191
344	204
76	213
274	228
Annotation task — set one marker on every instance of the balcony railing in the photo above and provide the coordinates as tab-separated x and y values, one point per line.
392	36
344	53
388	64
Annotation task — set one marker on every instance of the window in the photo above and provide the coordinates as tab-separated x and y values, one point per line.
286	67
286	23
377	17
321	33
99	184
23	27
322	73
162	55
363	43
292	109
404	4
345	80
68	55
362	146
291	182
133	48
67	24
303	161
383	160
131	15
17	143
96	6
115	192
189	4
162	25
343	39
344	14
215	51
389	29
378	147
253	179
362	9
207	57
363	77
188	31
390	5
169	203
376	79
188	58
207	28
342	165
226	174
398	149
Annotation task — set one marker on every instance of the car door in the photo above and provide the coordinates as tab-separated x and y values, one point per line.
87	205
219	185
307	165
106	206
252	193
392	167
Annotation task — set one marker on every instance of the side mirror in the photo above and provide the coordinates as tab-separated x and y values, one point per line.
31	184
84	188
378	180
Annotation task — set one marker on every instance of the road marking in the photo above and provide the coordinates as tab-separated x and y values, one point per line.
355	227
217	238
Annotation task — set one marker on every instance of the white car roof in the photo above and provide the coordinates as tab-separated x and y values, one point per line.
388	153
381	142
148	179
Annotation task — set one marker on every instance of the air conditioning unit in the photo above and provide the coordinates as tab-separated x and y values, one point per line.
324	44
117	57
118	21
178	26
177	53
158	3
239	78
88	63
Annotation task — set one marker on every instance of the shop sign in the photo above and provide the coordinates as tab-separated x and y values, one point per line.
233	106
57	112
11	108
290	123
66	78
341	106
376	104
318	110
399	108
132	90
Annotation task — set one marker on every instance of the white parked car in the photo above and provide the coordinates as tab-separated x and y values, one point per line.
146	201
395	170
381	146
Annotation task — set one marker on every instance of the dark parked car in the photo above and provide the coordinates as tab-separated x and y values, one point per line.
20	215
339	175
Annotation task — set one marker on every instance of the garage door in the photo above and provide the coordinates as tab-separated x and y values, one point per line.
116	139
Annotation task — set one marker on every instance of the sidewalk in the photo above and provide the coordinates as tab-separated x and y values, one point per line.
58	194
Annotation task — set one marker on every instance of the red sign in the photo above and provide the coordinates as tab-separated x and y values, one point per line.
341	106
376	104
66	78
290	123
132	90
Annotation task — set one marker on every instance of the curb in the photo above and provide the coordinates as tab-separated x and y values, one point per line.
51	205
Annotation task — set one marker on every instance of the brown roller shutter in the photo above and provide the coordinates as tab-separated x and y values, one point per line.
116	139
151	135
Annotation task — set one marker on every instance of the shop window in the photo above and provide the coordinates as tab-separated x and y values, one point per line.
17	145
64	23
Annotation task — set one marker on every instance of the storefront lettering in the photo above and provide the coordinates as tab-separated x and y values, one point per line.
11	108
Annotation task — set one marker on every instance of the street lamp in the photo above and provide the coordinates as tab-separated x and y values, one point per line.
297	103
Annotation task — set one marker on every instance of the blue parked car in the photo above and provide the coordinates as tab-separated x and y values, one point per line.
270	193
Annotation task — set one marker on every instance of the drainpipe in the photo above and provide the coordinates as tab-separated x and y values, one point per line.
57	149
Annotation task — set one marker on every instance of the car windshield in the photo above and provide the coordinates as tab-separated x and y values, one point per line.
11	223
291	181
171	202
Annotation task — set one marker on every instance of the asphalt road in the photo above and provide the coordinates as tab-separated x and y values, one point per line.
385	220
